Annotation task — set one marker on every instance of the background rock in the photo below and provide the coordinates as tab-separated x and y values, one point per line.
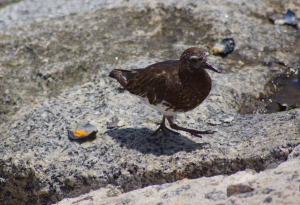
61	44
54	65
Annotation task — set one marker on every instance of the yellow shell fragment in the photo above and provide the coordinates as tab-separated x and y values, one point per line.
218	48
79	133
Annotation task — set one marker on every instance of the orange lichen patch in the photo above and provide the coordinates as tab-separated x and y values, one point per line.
79	133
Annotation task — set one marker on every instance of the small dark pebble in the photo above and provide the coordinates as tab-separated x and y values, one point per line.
238	189
268	199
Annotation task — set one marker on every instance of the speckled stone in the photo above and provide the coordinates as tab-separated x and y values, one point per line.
267	187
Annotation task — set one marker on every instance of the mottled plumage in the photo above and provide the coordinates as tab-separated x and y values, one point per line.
172	86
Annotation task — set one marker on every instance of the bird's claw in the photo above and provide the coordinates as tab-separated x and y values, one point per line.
197	133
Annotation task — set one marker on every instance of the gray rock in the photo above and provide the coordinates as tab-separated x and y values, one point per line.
210	190
54	64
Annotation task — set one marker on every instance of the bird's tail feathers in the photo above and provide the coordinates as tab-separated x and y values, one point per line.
122	76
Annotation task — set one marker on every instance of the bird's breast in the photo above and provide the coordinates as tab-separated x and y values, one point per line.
193	94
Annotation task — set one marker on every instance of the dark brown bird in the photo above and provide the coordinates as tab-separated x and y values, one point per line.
171	87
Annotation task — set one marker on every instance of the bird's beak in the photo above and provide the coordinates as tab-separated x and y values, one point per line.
208	66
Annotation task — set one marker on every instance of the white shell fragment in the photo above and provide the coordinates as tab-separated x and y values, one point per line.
288	18
114	124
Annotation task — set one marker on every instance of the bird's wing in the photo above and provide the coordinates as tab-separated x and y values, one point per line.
154	81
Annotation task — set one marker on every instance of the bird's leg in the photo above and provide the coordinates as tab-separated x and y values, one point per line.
195	133
163	127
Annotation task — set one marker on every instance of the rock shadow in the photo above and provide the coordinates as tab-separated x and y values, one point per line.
141	140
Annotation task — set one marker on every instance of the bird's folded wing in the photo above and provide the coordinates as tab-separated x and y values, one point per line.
154	81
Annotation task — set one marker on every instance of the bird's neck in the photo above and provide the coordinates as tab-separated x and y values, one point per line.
200	77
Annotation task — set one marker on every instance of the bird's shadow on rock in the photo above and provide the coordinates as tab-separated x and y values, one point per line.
142	141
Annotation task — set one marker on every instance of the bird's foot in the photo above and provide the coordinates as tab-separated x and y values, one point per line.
163	128
166	130
193	132
197	133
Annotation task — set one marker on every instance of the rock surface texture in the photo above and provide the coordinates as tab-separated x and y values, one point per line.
277	185
55	57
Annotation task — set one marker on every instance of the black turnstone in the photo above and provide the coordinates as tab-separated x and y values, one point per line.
171	87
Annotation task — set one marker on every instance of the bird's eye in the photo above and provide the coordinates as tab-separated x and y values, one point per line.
194	60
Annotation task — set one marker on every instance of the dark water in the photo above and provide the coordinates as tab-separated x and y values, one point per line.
287	91
284	89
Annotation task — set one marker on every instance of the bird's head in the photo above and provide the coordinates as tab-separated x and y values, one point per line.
194	60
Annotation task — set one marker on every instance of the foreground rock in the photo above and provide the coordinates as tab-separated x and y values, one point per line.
276	185
39	164
69	58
